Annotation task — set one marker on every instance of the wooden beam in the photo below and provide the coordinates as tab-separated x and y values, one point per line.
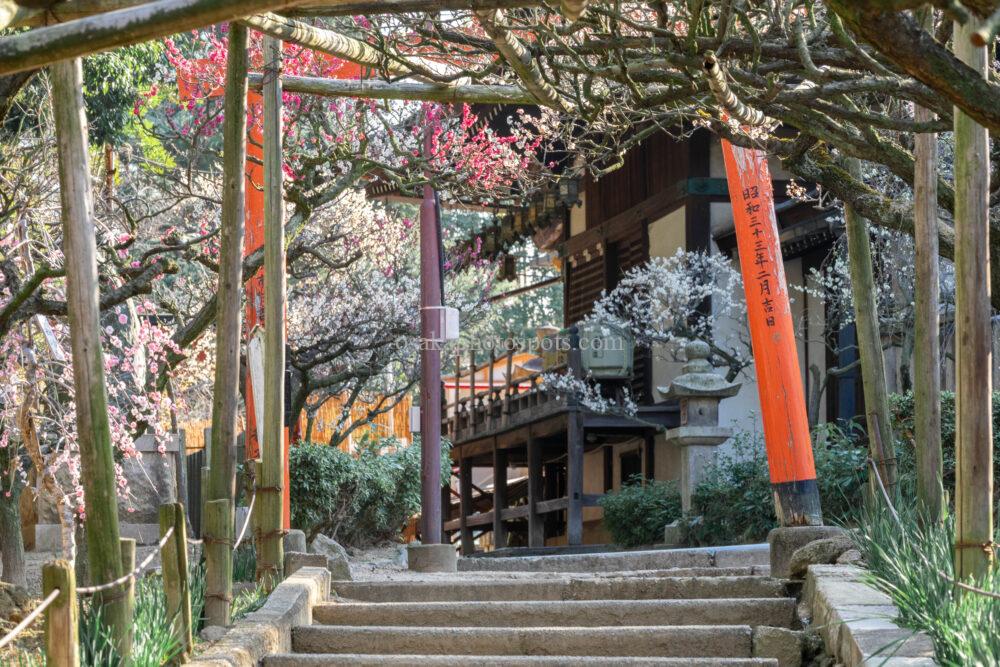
17	16
404	90
92	425
465	509
324	41
499	496
228	323
553	505
574	479
536	526
511	513
973	363
43	46
271	553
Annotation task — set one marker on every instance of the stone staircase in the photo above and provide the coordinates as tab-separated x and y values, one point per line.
681	607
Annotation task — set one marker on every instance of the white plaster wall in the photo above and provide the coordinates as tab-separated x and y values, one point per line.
666	235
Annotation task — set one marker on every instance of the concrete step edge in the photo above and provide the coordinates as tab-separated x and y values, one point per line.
775	612
559	588
374	660
724	641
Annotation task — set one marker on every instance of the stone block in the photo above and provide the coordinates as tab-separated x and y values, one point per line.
783	645
295	540
784	541
818	552
432	558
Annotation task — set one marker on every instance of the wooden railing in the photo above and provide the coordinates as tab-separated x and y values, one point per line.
491	408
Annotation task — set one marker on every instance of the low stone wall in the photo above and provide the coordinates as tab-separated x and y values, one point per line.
269	629
857	622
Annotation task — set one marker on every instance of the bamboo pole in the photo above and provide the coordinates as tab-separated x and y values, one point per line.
174	560
927	360
402	90
217	535
270	556
80	251
226	399
62	646
44	46
973	354
859	257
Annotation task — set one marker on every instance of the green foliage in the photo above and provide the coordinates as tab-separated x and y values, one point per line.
902	406
111	83
734	504
905	560
248	600
637	513
152	642
360	498
245	562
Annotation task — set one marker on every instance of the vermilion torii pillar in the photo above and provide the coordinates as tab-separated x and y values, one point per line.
772	335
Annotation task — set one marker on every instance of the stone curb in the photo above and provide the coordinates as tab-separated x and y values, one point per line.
269	629
857	622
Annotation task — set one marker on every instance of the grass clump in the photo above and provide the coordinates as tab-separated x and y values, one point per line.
906	559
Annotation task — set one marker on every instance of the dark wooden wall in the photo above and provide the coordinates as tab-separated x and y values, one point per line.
619	207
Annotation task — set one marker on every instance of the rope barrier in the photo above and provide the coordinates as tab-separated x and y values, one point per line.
29	619
243	530
943	575
246	522
124	579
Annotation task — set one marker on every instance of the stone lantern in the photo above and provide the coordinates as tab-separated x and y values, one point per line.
699	390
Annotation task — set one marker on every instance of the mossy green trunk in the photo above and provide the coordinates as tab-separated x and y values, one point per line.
863	291
93	430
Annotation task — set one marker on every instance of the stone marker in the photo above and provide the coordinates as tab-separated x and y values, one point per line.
431	558
295	540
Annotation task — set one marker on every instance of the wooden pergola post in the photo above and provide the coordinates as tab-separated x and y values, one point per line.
926	326
93	430
973	333
270	554
225	403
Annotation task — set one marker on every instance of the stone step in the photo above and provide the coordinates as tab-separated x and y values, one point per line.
691	641
776	612
652	559
565	588
372	660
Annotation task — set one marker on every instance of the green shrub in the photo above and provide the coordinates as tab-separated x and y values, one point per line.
734	504
361	498
901	406
637	513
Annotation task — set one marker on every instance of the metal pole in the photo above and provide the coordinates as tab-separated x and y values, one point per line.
430	365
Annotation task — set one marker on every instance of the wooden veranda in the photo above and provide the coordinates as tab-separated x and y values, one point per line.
518	423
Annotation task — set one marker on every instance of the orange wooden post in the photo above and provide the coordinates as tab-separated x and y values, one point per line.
776	359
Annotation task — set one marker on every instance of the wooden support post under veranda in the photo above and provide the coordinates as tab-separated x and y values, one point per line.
225	403
271	487
973	333
93	430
